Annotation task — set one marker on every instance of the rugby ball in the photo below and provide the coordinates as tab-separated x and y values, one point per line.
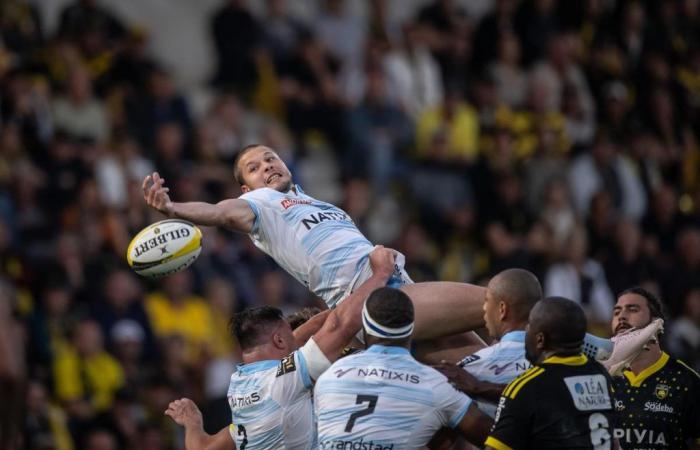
164	248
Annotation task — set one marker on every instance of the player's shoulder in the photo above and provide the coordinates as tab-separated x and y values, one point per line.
526	381
262	194
684	369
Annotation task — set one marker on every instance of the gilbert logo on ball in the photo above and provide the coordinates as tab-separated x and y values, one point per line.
164	248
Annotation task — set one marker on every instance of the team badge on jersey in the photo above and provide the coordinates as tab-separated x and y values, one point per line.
661	391
287	365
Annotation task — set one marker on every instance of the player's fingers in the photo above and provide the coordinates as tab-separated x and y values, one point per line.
144	185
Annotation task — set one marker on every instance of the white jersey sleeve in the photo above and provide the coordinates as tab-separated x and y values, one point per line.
451	404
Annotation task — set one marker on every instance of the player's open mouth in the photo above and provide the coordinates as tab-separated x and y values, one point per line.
622	327
272	178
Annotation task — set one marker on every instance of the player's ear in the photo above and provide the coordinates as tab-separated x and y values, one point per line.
502	310
245	188
278	341
540	341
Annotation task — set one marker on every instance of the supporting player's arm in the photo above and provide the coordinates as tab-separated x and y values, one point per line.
469	384
345	321
475	425
234	214
310	327
184	412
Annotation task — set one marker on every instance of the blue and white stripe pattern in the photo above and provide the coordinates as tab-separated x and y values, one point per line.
500	363
383	397
316	242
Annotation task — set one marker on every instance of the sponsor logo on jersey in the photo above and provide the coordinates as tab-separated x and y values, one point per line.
499	408
314	219
469	359
360	444
286	365
661	391
635	436
289	202
497	370
619	406
388	375
339	373
589	392
658	407
245	400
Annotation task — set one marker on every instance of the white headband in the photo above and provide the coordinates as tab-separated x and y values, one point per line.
381	331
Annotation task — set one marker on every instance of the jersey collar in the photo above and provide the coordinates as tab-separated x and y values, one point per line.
257	366
388	349
514	336
637	380
578	360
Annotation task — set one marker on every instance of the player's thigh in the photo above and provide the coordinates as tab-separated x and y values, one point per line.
443	307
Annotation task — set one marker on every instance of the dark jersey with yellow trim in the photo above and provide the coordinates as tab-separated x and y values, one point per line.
659	408
563	403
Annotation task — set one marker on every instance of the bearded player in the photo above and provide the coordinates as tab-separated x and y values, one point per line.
316	242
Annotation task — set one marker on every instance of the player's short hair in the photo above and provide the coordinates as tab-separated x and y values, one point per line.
237	172
656	306
300	317
561	320
390	307
519	289
250	325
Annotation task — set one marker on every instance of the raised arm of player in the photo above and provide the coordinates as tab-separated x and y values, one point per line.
184	412
310	327
234	214
345	321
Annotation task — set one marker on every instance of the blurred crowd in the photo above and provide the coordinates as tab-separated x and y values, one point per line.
557	136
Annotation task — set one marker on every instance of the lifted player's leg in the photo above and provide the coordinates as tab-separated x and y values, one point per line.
444	308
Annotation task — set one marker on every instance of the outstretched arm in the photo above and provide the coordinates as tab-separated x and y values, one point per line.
184	412
346	320
234	214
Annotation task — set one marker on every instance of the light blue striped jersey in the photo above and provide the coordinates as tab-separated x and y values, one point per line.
500	363
383	398
316	242
271	404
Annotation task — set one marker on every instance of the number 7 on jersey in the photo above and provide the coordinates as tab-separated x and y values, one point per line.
372	399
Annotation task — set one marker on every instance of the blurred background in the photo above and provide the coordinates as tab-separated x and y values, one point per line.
471	135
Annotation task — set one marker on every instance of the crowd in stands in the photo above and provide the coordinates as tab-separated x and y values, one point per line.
561	137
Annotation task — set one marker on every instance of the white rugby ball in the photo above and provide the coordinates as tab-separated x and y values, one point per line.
164	248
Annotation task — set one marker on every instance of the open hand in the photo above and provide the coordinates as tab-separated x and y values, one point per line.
184	412
156	194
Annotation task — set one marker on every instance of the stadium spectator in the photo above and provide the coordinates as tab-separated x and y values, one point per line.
237	36
684	336
86	377
177	311
79	112
582	279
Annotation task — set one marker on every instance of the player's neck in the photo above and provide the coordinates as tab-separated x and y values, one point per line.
646	358
510	327
261	354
